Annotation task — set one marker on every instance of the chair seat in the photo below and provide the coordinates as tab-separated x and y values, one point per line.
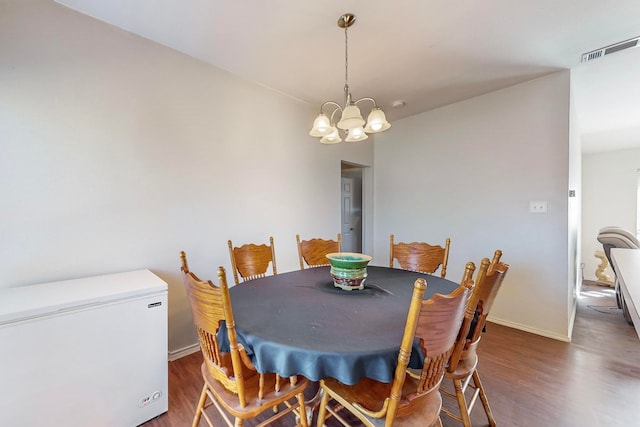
465	367
254	405
367	394
424	414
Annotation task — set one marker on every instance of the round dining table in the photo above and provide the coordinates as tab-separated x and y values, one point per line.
299	323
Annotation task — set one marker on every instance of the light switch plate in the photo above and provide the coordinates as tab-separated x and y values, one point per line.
539	206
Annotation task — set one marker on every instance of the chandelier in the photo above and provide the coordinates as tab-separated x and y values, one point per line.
351	121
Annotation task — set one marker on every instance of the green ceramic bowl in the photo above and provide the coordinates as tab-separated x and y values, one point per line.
348	269
348	260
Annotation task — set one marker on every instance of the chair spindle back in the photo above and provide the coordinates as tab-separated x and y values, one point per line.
419	256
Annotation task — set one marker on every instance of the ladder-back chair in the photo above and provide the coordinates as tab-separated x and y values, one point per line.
462	368
413	398
419	256
251	261
313	252
231	383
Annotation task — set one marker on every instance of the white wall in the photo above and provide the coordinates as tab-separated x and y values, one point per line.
468	171
609	182
117	153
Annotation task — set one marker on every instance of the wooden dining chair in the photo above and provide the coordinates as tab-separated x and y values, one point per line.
231	383
419	256
313	252
251	261
462	370
413	398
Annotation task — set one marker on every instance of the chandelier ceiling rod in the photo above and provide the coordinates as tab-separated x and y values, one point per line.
351	120
345	22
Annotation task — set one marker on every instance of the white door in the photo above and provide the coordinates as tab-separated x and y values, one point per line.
351	218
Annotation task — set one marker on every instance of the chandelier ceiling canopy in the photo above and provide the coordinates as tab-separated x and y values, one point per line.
351	121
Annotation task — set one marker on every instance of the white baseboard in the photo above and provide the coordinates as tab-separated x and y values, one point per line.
184	351
529	329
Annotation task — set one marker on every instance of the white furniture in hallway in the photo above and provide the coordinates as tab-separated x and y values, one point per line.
627	267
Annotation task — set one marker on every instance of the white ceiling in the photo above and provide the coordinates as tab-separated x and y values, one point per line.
427	53
607	95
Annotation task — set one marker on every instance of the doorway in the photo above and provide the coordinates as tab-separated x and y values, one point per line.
351	207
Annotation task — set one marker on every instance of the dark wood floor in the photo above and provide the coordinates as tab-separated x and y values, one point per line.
530	380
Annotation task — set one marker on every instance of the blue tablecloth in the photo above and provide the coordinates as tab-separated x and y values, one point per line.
299	323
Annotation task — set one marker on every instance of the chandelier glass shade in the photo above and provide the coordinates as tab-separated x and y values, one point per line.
350	118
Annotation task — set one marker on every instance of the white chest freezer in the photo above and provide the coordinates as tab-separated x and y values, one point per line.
84	352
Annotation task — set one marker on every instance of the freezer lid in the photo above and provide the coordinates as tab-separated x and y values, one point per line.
31	301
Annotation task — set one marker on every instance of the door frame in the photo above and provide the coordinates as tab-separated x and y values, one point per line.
367	202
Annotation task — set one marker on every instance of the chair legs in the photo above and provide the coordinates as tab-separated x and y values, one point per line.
199	409
326	411
202	405
483	398
322	411
464	406
462	402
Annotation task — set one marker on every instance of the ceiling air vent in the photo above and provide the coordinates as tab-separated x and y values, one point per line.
598	53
